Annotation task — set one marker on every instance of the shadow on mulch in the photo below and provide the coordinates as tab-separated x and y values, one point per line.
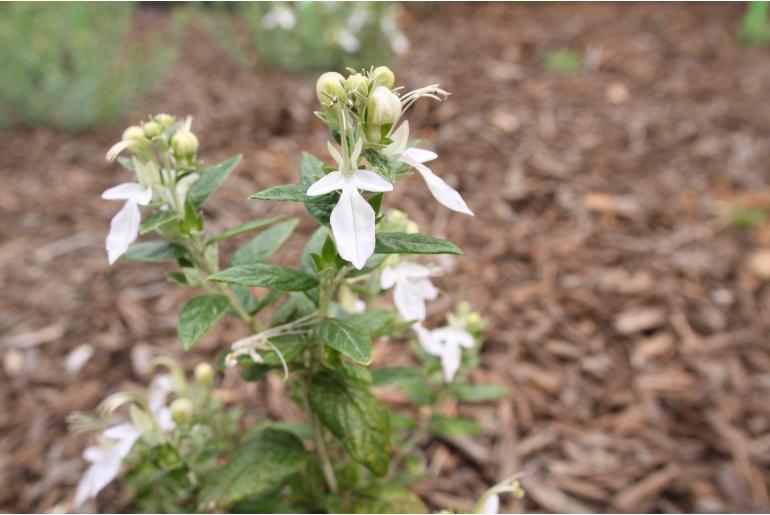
628	317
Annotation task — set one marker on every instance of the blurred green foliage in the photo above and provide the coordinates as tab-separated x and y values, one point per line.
563	60
755	28
312	36
71	65
746	218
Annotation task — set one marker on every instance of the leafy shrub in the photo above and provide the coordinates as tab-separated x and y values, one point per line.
71	65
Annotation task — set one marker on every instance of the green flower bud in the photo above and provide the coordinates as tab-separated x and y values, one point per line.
151	129
165	120
182	410
382	76
383	107
185	145
134	133
204	374
358	83
330	84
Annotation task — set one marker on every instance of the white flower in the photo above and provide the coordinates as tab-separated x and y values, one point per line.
352	219
446	343
279	16
412	288
124	227
415	157
491	505
159	389
105	460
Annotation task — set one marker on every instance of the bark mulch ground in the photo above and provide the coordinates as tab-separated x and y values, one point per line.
629	317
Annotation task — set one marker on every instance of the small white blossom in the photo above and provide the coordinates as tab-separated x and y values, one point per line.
411	288
445	343
124	227
279	16
416	157
352	219
105	460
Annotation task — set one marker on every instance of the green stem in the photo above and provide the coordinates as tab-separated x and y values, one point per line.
316	432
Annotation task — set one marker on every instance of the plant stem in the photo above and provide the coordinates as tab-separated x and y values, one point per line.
316	432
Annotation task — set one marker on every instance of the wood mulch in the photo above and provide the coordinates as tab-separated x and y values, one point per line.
628	317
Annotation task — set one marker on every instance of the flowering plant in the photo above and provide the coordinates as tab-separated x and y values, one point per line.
314	324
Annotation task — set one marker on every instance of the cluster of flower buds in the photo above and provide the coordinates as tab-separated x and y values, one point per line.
163	156
363	112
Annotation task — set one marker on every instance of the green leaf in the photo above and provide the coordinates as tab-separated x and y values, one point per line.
296	306
447	427
386	499
197	317
310	169
261	246
155	251
266	276
348	338
248	226
156	220
403	243
281	193
479	392
263	463
320	208
355	417
211	178
376	322
394	375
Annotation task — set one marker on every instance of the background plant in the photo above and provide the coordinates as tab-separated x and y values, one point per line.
314	324
311	36
71	65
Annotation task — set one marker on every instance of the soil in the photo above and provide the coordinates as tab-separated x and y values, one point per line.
628	315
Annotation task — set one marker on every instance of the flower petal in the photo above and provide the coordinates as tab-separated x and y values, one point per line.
125	191
335	154
388	278
400	139
124	228
357	152
352	222
419	155
442	191
414	270
368	180
428	343
454	336
491	505
450	361
409	301
326	184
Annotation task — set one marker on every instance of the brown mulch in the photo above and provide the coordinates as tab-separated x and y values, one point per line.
628	318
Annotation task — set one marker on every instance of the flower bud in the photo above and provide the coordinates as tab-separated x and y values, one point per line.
134	133
330	84
165	120
182	410
185	144
383	76
151	129
412	228
357	83
384	107
204	374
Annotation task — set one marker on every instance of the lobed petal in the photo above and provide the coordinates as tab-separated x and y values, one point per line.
124	229
368	180
326	184
441	191
352	222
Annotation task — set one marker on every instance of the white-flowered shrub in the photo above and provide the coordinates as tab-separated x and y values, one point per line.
314	324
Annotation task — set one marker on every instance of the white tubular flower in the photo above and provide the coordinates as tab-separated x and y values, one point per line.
412	288
352	219
279	16
445	343
105	460
415	157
